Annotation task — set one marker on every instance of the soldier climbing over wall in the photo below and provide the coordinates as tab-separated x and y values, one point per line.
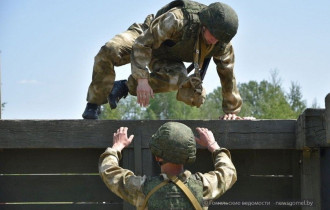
173	145
181	31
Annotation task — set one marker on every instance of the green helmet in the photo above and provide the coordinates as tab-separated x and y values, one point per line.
221	20
174	142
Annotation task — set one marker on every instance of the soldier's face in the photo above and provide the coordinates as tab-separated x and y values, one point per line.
210	39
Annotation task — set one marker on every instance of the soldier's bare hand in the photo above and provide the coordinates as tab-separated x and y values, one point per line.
230	117
249	118
206	139
144	92
120	140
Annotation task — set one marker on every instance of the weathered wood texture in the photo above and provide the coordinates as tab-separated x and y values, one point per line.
260	134
70	176
327	117
55	162
325	177
311	177
311	137
311	129
0	88
73	206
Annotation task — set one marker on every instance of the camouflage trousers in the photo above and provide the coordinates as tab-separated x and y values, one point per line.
165	75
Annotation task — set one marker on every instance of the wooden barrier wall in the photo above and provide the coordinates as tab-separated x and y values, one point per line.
53	164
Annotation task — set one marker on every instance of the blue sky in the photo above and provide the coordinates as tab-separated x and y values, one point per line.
48	47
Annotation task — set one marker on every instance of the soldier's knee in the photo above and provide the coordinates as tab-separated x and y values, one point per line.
107	53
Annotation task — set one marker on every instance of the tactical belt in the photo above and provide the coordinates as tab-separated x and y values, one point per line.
178	183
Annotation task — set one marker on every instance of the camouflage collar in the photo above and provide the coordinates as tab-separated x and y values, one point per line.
184	176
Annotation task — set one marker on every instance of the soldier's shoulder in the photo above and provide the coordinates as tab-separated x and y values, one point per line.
174	14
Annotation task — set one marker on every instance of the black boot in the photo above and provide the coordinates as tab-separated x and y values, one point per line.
118	91
92	111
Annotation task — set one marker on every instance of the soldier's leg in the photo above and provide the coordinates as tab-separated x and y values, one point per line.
166	76
116	52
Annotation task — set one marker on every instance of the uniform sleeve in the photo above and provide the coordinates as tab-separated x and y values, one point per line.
168	26
217	182
232	101
121	181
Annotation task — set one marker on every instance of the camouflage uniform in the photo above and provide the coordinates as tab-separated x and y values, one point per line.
150	49
133	189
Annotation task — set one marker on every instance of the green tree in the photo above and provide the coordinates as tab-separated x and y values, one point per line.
251	94
266	100
297	104
263	100
165	106
212	107
315	105
127	109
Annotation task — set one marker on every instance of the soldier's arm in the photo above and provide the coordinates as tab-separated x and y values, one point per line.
167	26
121	181
225	60
217	182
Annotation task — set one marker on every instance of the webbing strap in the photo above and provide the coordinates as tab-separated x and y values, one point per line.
186	191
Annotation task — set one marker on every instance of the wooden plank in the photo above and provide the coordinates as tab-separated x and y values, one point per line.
138	154
203	163
55	188
325	174
252	189
315	128
311	129
263	175
252	162
60	133
264	162
310	178
113	206
257	141
0	87
128	159
327	117
39	161
301	132
128	163
296	175
247	162
260	134
150	166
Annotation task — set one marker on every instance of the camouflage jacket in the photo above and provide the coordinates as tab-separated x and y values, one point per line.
170	27
129	186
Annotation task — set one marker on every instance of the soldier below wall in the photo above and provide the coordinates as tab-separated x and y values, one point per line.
173	145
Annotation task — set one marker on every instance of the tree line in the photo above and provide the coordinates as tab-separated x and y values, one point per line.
262	100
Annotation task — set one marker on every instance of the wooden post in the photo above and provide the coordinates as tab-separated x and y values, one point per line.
310	178
0	87
325	174
327	117
325	159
